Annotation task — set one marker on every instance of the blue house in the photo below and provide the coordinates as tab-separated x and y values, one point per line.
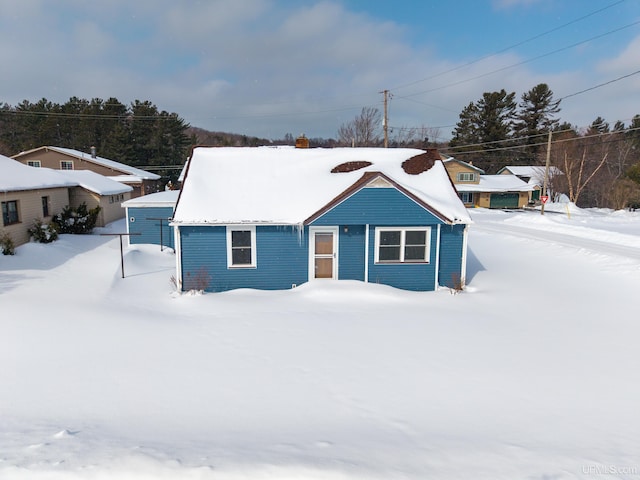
148	218
277	217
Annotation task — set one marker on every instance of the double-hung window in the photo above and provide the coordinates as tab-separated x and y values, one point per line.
66	165
466	177
34	163
10	212
241	247
402	244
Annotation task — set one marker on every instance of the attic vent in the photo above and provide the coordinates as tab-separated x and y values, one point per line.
420	163
350	166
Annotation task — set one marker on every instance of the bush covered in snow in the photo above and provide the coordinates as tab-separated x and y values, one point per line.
6	244
43	232
76	220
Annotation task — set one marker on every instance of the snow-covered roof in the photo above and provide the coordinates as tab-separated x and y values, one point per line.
535	173
287	185
496	183
467	164
105	162
14	176
126	178
95	182
167	198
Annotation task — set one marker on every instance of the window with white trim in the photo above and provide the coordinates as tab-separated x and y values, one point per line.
241	247
466	177
34	163
402	244
66	165
466	197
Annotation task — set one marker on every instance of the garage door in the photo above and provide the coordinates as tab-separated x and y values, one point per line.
504	200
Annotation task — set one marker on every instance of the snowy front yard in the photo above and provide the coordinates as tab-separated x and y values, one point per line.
530	373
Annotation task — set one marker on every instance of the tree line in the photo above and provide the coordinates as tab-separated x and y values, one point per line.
138	134
601	163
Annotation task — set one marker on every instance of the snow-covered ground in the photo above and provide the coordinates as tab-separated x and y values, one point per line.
530	373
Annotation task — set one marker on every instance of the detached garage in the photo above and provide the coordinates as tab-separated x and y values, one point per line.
148	218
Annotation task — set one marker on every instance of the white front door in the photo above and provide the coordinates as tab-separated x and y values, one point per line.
323	253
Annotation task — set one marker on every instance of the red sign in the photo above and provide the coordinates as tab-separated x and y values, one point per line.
544	198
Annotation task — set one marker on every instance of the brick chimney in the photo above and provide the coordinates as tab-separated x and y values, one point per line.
302	142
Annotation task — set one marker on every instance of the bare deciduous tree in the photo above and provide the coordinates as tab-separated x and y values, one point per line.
362	131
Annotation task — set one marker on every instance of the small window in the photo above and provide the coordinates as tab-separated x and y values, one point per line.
241	247
402	245
45	207
10	212
466	197
34	163
66	165
466	177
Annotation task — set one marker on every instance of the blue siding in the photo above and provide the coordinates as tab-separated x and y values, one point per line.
351	248
283	252
150	229
282	259
408	276
383	206
451	242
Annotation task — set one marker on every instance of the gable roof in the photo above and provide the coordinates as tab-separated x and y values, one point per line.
468	165
496	183
14	176
535	173
104	162
95	182
168	198
286	186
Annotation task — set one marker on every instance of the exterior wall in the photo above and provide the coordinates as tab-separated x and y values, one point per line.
351	251
408	276
110	209
283	252
381	206
451	255
453	168
282	259
137	219
30	209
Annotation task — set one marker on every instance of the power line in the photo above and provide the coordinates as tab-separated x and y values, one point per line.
523	42
529	60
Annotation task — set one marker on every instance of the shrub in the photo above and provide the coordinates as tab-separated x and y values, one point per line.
6	244
76	220
43	232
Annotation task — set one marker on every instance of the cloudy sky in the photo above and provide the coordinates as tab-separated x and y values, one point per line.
271	67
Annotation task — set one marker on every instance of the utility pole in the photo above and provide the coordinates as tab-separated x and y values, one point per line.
546	174
385	120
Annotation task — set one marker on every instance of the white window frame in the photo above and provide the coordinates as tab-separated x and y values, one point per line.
403	231
466	177
241	228
34	163
468	195
66	162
